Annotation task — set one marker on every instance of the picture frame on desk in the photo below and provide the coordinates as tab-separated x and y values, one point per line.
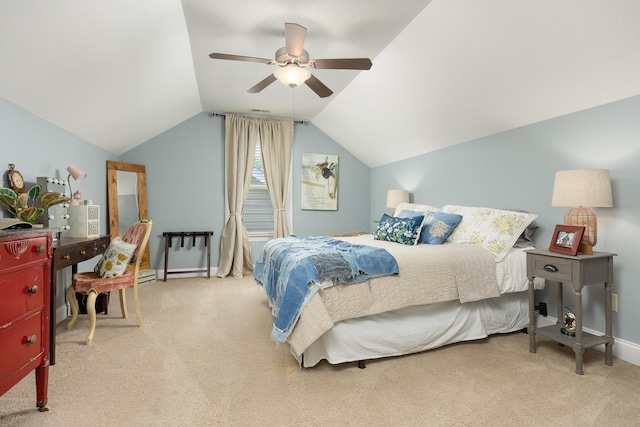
566	239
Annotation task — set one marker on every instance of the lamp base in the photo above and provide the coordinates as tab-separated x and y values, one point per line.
584	217
585	249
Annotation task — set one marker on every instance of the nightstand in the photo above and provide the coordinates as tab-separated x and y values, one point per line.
579	271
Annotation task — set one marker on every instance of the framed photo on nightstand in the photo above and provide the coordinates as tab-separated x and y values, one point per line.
566	239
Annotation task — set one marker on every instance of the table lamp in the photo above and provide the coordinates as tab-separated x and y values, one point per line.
582	189
395	197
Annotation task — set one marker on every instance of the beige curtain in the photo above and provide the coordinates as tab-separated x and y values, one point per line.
276	144
240	148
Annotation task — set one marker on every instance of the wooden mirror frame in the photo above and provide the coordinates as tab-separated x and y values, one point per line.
112	195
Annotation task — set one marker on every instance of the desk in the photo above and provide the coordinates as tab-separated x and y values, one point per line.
168	237
69	251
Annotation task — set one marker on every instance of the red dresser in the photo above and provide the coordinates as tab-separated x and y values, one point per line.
25	289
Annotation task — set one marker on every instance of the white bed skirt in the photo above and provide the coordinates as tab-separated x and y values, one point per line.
419	328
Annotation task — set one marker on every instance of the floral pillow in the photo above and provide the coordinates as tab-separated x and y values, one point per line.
399	230
437	226
116	258
495	229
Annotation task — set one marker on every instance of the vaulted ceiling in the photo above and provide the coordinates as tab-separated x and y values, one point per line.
118	73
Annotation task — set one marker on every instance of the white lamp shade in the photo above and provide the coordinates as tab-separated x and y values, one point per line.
76	173
395	197
582	187
292	75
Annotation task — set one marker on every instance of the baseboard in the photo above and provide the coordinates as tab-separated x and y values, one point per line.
62	312
622	349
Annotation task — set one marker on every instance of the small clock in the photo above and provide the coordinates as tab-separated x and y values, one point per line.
16	179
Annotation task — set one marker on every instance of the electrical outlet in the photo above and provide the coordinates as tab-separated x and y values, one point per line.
614	302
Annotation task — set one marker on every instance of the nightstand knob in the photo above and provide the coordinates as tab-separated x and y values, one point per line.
552	268
40	249
33	290
31	339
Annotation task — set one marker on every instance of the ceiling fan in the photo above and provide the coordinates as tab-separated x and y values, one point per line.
293	61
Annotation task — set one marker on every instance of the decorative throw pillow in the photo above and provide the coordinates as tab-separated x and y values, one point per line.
399	230
494	229
437	226
115	259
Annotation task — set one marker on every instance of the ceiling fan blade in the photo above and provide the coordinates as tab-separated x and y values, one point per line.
343	64
239	58
318	87
264	83
294	36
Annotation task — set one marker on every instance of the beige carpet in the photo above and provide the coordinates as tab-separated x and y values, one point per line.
205	358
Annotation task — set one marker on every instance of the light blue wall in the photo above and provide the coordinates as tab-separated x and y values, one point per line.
513	169
38	148
185	187
516	169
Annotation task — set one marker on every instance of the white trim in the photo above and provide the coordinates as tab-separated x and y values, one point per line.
622	349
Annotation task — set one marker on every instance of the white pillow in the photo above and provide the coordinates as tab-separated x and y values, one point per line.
116	258
495	229
415	207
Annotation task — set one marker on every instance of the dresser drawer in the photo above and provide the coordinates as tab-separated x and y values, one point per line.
552	268
18	252
17	353
21	292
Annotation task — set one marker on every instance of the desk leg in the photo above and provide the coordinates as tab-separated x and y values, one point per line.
52	314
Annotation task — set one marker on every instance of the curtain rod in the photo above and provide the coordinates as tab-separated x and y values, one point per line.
295	122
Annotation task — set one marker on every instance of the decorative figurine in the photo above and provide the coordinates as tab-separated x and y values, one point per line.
569	322
77	195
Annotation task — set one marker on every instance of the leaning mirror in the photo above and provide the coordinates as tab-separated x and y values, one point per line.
127	198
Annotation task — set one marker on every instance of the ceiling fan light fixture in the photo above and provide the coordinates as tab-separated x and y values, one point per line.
292	75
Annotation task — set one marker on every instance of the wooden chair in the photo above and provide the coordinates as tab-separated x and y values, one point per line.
91	284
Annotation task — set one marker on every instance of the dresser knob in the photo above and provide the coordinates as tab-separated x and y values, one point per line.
66	257
40	249
83	252
33	290
31	339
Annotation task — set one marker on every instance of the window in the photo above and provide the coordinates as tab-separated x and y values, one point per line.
258	211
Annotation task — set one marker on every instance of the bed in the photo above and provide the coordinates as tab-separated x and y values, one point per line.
460	275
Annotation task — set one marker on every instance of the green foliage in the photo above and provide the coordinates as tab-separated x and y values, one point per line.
31	205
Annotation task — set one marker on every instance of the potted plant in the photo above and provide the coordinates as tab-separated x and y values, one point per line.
31	205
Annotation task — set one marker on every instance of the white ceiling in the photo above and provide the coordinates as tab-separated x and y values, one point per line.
118	73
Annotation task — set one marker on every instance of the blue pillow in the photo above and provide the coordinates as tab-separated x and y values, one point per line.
438	226
399	230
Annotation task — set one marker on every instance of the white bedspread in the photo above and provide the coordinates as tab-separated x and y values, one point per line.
427	274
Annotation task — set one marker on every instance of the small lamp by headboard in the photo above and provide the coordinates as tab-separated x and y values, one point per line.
395	197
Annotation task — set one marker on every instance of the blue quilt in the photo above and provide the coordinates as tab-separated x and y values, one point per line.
290	271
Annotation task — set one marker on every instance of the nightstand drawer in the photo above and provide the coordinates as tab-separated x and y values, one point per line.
552	268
